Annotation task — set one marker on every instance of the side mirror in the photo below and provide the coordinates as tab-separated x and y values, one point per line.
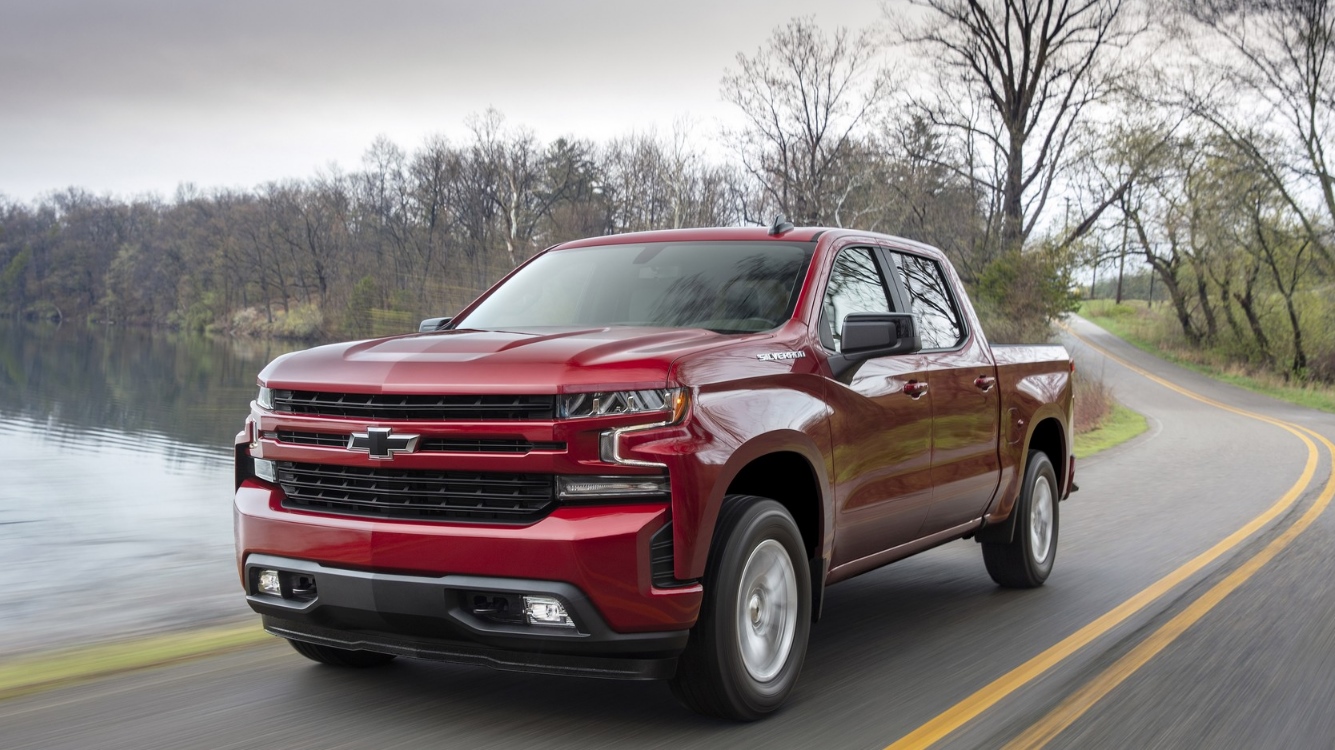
879	335
433	324
868	335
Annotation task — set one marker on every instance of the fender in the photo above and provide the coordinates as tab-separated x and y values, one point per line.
999	523
692	566
801	444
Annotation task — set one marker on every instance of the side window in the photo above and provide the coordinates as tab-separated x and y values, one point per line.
855	286
930	302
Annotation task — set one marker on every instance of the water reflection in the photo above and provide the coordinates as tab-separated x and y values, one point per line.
115	480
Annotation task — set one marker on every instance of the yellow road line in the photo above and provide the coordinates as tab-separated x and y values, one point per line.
966	710
1084	699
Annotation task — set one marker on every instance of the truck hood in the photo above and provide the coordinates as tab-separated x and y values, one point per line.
535	361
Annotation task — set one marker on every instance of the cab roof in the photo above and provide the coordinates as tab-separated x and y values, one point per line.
713	234
753	234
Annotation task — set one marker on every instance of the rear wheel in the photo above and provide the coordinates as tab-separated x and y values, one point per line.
341	657
1026	560
747	648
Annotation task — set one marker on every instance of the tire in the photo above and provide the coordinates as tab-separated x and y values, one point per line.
1026	561
341	657
746	649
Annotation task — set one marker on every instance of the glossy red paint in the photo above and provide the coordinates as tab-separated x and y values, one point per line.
894	474
592	547
485	362
965	425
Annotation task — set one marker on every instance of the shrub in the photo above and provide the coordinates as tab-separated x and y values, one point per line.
300	323
1093	402
1019	294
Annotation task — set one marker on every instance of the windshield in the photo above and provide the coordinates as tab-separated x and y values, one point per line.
728	287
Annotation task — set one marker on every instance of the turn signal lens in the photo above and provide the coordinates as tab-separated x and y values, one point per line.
680	400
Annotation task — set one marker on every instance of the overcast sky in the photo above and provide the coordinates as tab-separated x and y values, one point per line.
132	96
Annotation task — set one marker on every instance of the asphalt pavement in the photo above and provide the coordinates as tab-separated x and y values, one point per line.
927	642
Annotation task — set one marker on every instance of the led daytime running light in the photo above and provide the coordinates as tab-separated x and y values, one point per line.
609	487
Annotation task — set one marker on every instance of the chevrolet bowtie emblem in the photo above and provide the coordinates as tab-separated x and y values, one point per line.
381	443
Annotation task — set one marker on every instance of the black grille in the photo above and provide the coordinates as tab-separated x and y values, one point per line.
417	495
326	439
391	406
427	445
485	445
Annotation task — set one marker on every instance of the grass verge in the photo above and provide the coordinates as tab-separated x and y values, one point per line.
1121	425
1127	323
44	671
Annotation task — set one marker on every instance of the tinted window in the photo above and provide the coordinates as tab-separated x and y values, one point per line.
930	302
855	286
730	287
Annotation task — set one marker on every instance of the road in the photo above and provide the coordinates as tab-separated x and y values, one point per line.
1232	651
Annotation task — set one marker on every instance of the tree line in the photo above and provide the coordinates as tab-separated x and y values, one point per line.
1031	140
407	234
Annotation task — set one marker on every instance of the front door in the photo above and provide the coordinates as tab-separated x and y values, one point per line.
881	422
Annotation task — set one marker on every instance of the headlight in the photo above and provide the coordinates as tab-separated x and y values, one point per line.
671	402
265	399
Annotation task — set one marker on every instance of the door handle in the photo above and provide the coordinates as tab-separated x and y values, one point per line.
915	389
984	383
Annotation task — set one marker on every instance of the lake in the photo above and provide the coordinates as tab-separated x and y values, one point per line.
116	480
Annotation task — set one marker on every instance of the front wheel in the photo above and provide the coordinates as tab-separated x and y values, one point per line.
1026	560
747	648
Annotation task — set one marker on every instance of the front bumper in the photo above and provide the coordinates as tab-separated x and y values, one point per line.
428	617
395	586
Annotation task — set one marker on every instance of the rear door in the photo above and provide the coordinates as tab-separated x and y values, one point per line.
880	423
965	403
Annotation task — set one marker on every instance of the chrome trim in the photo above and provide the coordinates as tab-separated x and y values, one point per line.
612	454
777	356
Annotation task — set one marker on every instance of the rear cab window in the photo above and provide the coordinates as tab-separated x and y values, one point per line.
930	300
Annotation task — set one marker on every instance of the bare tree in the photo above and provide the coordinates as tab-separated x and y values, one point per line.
519	183
805	95
653	182
1014	81
1276	69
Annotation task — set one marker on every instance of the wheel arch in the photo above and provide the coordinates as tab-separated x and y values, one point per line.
786	467
1049	436
788	478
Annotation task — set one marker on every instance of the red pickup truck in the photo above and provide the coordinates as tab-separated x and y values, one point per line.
646	456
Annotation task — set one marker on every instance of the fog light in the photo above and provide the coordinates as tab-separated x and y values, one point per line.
269	583
546	610
266	470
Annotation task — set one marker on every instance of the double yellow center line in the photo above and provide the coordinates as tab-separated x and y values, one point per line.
1082	700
